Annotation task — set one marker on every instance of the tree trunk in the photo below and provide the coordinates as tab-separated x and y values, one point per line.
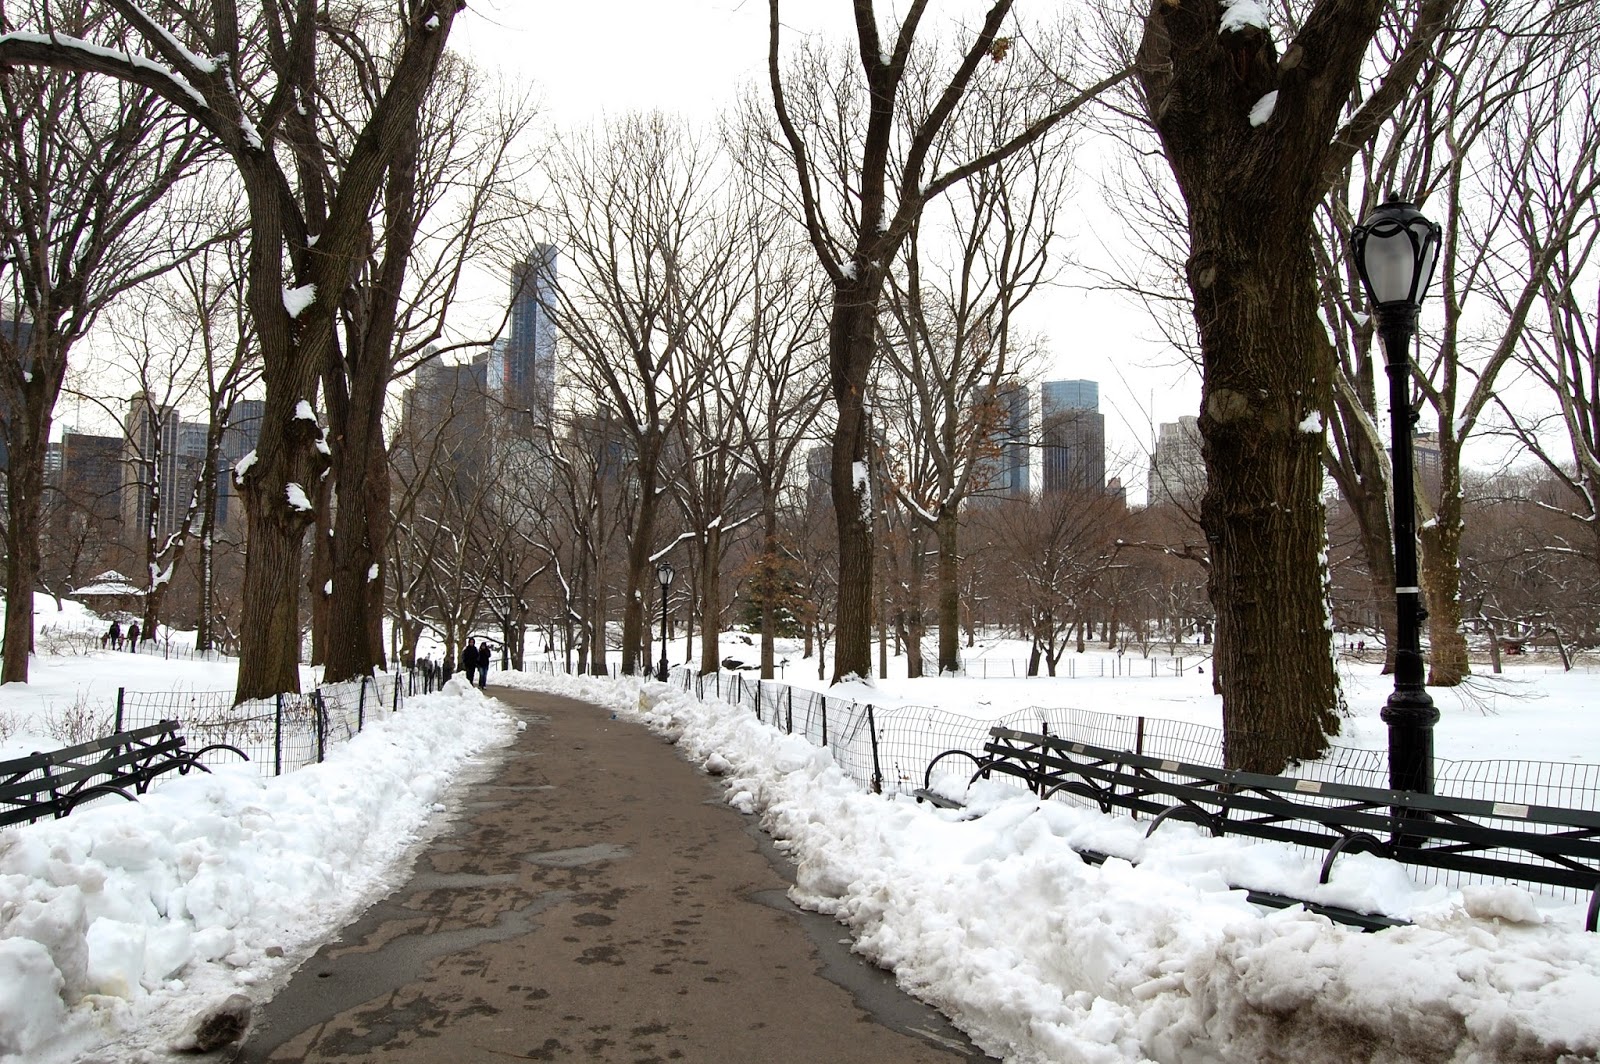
1251	182
1377	541
286	470
640	574
26	432
948	531
319	584
1262	510
850	351
354	638
710	599
770	588
1440	543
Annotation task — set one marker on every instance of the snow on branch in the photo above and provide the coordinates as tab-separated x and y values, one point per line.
67	43
202	63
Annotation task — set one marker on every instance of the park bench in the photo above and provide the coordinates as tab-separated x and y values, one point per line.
1546	845
52	784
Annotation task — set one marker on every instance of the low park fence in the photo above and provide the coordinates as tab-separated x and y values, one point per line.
888	750
278	734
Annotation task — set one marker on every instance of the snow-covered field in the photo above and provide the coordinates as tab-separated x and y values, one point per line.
124	920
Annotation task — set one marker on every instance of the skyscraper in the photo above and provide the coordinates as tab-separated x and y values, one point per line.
1074	434
523	377
1004	473
1178	467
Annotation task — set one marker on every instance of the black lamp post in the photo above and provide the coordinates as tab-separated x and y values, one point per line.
664	575
1395	251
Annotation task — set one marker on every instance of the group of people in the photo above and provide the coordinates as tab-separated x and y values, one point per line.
475	662
114	638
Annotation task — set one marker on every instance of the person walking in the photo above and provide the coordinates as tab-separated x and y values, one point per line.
483	665
114	636
133	637
469	662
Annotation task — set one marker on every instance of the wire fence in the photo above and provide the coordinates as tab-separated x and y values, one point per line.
889	750
279	734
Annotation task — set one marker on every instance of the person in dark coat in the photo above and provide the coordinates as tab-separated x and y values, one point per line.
469	662
483	665
133	637
114	637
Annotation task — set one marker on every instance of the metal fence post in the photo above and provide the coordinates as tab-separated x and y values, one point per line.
397	693
319	710
789	715
277	739
120	692
824	720
361	706
877	769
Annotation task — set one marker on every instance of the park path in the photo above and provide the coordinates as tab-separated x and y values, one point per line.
594	899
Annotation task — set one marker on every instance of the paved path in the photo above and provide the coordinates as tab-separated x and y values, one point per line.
594	899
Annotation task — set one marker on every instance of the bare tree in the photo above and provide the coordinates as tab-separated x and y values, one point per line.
249	77
862	146
635	211
81	163
951	342
445	196
782	395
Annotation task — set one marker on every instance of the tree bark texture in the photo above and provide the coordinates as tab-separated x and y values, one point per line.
710	599
851	346
27	430
1439	541
948	532
1250	187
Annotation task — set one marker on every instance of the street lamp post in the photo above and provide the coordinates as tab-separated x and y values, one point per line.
1395	251
664	575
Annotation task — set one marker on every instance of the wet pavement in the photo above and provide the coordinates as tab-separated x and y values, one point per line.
594	899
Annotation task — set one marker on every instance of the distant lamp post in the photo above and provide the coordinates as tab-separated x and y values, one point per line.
664	575
1395	251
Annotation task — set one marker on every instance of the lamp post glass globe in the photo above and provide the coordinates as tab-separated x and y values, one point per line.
1395	250
664	574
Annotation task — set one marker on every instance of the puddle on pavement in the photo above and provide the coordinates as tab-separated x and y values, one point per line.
577	857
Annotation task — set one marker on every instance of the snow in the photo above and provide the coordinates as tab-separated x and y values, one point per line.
120	922
70	43
303	412
1312	425
1156	954
243	466
204	64
296	300
1263	108
372	572
1238	15
297	497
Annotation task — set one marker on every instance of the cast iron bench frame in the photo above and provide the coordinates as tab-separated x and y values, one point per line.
1559	846
53	783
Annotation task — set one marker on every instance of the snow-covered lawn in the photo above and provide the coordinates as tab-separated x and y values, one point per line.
124	920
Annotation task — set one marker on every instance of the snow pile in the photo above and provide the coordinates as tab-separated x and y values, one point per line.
1154	955
122	920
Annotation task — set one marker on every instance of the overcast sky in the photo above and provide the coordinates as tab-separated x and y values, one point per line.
690	56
